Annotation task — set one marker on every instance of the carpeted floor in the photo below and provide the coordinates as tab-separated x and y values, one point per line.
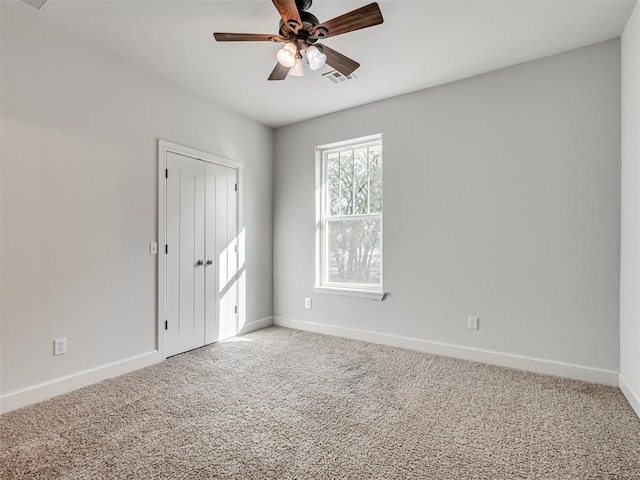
284	404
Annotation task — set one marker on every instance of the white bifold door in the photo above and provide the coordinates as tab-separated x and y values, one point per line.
201	253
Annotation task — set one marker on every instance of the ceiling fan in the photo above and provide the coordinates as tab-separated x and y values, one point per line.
300	30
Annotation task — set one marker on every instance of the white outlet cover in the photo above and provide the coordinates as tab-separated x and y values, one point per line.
474	323
60	346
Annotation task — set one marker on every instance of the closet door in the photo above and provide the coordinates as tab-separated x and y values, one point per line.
185	259
222	253
202	253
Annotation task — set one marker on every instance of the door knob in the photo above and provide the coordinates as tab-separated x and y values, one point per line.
200	263
209	262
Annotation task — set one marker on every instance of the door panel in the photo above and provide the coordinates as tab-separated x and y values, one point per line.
221	239
185	237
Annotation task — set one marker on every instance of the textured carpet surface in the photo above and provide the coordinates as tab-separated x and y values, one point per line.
285	404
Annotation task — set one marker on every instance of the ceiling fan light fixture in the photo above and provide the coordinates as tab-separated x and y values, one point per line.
316	58
287	55
299	30
298	69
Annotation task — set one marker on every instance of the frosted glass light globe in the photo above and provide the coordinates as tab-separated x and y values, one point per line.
287	55
316	58
298	69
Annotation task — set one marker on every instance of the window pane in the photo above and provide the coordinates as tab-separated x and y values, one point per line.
353	247
333	184
361	181
375	175
346	182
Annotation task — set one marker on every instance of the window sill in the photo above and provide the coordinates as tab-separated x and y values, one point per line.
351	292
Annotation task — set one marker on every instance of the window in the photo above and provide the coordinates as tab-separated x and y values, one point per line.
349	198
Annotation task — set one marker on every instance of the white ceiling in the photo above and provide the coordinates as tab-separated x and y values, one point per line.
420	44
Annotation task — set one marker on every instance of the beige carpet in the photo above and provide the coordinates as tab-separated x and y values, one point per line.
284	404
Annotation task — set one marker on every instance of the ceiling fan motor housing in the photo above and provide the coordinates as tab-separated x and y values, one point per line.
303	5
309	21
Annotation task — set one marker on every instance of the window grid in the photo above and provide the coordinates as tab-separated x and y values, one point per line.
351	161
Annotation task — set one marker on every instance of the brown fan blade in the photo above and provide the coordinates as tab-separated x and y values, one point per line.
247	37
279	72
341	63
289	12
363	17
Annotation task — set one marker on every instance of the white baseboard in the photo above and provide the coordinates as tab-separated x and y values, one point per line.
538	365
633	397
256	325
45	390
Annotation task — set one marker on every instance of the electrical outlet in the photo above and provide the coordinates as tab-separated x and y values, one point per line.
153	248
307	303
473	323
60	346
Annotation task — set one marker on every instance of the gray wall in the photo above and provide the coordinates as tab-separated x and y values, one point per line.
630	246
502	200
79	200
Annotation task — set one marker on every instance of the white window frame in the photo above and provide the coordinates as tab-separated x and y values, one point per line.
375	292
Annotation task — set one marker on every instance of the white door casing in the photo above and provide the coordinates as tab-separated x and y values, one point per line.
198	258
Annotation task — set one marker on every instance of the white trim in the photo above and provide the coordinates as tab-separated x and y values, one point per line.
319	201
52	388
538	365
58	386
256	325
165	147
368	139
371	295
322	285
632	396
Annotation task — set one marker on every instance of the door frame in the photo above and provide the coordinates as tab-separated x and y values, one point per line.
165	147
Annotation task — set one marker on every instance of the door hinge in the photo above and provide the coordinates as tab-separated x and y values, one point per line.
166	248
166	324
235	248
166	173
236	187
235	309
